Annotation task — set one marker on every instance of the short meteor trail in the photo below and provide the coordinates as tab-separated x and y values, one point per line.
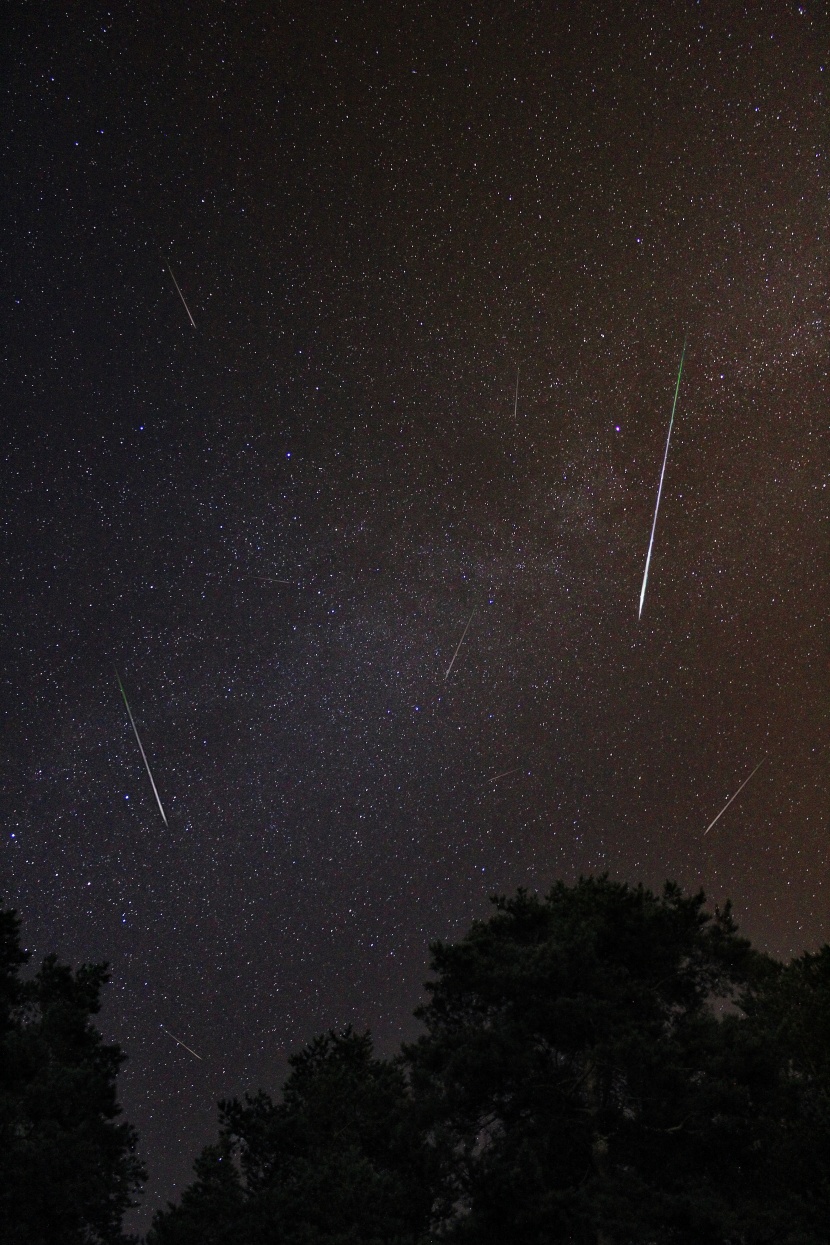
516	399
662	473
505	773
181	296
735	796
181	1043
141	749
458	646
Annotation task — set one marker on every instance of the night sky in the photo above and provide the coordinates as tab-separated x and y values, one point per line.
277	525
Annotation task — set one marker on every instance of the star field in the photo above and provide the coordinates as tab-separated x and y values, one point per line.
276	526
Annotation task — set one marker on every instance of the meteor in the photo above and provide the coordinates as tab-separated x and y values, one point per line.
181	296
458	646
179	1042
505	773
662	473
735	796
141	749
516	399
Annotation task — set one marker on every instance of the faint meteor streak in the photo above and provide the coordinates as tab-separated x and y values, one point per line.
735	796
181	1043
505	773
141	749
662	474
458	646
181	296
516	398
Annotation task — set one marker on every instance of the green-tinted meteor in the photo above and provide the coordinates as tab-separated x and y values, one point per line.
141	748
662	473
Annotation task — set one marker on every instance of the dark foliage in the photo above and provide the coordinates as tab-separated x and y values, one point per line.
68	1169
607	1065
604	1066
786	1033
573	1066
337	1162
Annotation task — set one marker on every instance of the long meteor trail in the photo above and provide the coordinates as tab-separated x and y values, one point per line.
516	399
141	750
181	296
735	796
179	1042
660	488
458	646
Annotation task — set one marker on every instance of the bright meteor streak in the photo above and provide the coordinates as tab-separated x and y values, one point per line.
179	1042
181	296
141	750
516	399
662	473
458	646
735	796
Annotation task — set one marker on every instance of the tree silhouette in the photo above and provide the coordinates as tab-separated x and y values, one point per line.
601	1066
581	1078
337	1162
68	1168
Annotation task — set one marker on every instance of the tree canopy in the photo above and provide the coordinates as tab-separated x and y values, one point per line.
337	1161
579	1071
603	1065
68	1168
